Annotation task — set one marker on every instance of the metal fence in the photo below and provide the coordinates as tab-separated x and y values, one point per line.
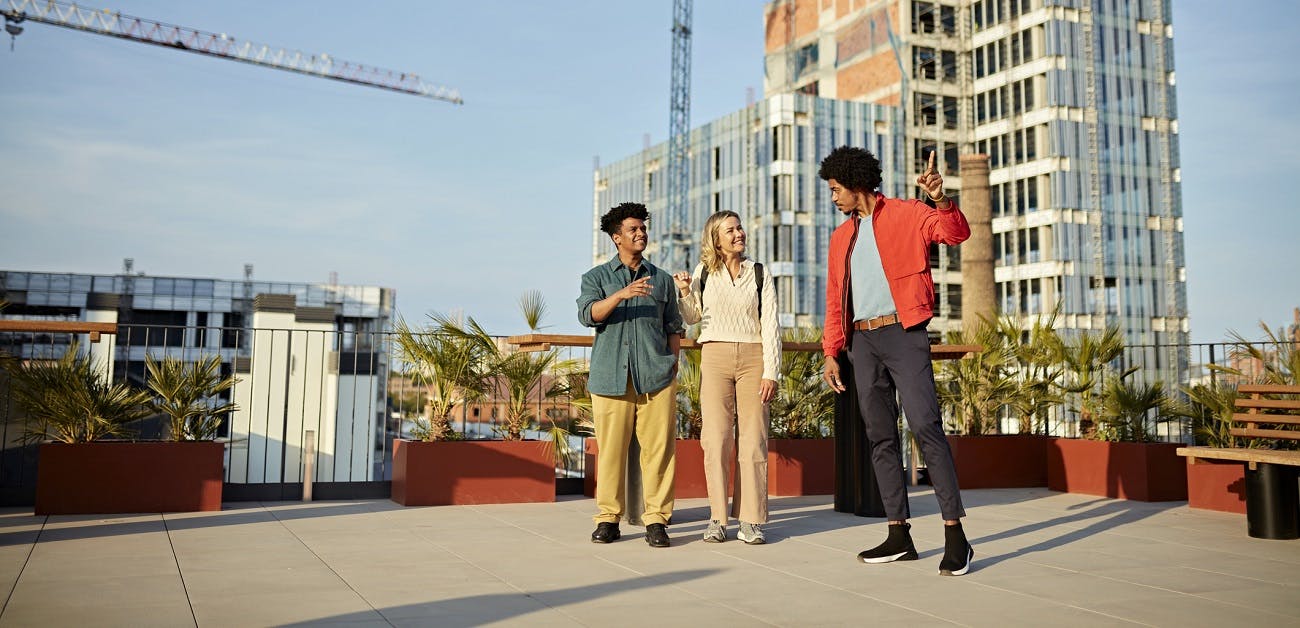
349	394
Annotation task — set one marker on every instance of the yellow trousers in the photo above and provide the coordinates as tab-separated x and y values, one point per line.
653	418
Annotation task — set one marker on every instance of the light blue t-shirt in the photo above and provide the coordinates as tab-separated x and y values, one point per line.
871	296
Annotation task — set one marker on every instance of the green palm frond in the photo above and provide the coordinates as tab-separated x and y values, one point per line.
186	394
690	414
449	364
533	307
1129	410
804	407
70	400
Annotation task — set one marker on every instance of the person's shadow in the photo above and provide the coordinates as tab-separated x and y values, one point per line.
476	610
1106	516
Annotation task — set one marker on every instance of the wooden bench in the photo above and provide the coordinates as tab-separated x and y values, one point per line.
1264	411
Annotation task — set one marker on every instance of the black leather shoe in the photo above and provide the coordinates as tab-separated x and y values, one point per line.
606	532
656	535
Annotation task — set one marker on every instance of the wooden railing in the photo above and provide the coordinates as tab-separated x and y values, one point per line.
60	327
543	342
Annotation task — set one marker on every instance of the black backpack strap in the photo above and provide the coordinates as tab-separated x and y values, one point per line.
758	279
704	278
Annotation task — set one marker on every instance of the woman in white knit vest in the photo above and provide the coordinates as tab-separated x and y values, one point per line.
739	365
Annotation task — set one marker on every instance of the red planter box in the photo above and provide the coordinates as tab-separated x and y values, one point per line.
1001	461
689	475
442	473
121	477
1149	472
800	466
1217	485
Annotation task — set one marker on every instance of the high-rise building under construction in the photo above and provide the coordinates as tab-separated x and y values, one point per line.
1072	100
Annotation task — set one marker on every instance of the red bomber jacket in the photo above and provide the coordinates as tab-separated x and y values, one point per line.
904	230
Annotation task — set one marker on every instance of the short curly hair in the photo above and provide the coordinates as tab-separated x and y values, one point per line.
854	168
613	219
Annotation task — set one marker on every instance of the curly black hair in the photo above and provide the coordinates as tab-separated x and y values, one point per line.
854	168
613	219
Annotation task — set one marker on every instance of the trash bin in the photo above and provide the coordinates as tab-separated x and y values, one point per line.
1273	502
855	479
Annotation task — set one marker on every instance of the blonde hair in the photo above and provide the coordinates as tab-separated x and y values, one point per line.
710	251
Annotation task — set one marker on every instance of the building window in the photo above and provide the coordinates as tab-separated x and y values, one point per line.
923	17
923	63
927	109
805	59
949	112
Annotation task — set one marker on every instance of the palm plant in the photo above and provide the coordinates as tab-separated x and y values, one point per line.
186	394
1210	409
448	364
524	377
1126	409
70	400
1036	351
976	388
1281	364
804	407
690	414
1084	361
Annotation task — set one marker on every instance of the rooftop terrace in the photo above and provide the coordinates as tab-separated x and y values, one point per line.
1041	558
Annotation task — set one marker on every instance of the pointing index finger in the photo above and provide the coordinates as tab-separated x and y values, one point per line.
931	168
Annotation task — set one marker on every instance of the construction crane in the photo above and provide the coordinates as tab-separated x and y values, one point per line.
679	144
115	24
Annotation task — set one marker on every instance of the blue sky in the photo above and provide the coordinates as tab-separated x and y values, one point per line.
195	166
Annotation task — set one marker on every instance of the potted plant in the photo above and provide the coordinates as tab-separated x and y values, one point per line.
1006	375
801	447
1121	458
462	362
74	411
1214	484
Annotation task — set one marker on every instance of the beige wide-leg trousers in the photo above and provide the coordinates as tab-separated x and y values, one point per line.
730	374
653	418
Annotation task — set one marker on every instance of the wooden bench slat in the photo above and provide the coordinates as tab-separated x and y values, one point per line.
1270	456
1269	404
1268	389
1246	432
1266	418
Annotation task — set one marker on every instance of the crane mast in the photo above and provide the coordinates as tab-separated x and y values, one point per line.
679	145
115	24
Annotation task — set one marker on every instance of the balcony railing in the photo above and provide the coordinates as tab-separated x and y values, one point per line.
350	391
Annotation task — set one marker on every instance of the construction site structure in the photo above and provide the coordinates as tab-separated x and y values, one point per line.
1073	101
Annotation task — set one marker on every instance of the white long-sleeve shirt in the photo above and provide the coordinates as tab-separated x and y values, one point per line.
729	312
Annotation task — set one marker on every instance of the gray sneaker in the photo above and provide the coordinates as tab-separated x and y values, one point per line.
716	533
751	533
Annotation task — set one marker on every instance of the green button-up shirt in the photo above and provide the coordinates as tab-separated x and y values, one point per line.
633	340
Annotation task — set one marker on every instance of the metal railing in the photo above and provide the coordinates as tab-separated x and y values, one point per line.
351	390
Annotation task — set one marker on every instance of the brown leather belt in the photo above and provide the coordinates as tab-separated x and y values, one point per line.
875	323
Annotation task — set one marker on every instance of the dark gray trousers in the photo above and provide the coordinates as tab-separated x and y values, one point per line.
893	359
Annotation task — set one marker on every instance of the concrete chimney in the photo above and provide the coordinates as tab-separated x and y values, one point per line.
978	291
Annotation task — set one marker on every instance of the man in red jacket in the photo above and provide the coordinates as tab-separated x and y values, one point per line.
879	298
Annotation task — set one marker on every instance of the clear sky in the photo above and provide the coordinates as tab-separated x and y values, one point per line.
194	166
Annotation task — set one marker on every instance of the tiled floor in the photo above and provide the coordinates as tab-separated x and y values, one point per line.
1042	559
